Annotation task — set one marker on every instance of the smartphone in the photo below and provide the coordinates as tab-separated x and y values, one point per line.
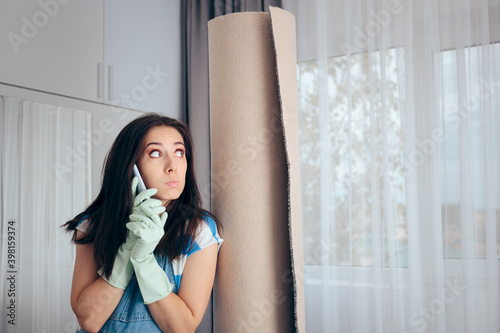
141	186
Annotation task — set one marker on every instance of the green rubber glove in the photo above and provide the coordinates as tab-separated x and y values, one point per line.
122	267
148	227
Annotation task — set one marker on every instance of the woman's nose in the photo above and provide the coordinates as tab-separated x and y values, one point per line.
169	165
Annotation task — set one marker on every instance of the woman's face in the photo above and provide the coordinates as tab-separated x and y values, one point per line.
163	163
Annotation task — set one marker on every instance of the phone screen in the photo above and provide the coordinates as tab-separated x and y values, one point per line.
141	187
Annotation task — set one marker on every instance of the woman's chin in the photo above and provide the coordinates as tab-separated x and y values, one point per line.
165	200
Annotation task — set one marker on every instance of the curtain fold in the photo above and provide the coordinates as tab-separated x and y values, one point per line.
46	180
400	147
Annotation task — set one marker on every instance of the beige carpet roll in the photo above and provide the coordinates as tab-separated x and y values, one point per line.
255	189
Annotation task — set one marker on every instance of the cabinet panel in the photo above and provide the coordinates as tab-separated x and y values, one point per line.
142	55
52	45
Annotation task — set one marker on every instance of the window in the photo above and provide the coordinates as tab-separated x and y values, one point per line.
339	146
465	104
342	153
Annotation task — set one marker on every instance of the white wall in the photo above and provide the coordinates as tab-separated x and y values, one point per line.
108	120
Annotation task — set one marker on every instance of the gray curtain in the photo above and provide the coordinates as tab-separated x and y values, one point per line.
195	17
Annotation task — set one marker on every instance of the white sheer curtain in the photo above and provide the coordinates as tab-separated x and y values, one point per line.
46	180
400	148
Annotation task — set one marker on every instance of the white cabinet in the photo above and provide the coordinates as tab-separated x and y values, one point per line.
142	55
118	52
52	45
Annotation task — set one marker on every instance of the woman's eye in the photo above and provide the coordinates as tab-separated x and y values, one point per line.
154	153
179	153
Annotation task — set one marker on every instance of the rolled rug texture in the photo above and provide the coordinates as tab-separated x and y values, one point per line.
256	172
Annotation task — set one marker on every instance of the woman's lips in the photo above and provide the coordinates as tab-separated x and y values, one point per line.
173	183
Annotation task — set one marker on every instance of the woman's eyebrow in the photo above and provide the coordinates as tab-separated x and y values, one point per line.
154	143
161	144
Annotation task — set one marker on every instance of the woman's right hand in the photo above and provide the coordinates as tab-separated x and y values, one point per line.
148	227
143	201
122	268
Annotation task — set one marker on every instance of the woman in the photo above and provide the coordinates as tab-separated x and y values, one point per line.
145	263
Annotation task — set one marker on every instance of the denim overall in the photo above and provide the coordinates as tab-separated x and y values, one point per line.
131	314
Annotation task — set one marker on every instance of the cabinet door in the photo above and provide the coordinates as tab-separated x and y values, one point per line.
54	46
142	55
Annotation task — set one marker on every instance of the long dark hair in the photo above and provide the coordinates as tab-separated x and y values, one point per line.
108	214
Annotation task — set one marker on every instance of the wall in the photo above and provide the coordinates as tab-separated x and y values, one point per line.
107	120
